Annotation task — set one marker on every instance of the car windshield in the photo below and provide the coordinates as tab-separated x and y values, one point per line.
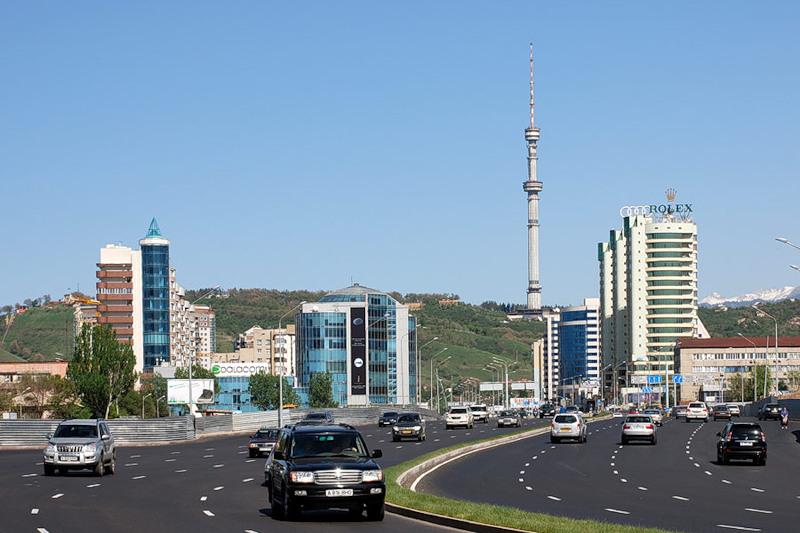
77	431
772	406
271	434
565	419
721	408
327	445
696	405
507	413
639	419
316	416
477	408
389	413
408	418
458	411
747	431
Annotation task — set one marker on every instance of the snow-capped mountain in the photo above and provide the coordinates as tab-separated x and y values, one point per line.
767	295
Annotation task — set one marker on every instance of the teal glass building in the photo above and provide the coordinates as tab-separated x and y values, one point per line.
155	296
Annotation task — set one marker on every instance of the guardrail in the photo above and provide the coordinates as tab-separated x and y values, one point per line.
135	431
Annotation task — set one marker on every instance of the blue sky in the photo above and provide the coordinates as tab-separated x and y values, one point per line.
299	145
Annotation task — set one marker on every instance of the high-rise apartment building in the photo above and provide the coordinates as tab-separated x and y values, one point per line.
648	293
550	366
204	324
119	291
269	345
181	325
155	296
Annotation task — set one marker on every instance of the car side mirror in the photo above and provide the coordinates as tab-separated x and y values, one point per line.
105	437
376	454
277	455
49	436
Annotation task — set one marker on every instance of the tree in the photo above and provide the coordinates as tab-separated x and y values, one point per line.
320	390
264	391
102	369
6	401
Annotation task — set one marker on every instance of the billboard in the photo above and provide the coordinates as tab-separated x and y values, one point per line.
358	351
178	391
238	370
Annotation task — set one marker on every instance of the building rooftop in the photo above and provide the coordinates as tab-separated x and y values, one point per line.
353	293
739	342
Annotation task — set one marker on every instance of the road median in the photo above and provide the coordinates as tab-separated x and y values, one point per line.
404	498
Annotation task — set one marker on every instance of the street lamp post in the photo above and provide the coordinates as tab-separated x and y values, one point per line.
23	400
143	399
754	376
158	411
191	362
776	344
505	365
283	367
430	393
419	371
438	381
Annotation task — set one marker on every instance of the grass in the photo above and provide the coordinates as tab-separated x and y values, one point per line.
497	515
40	333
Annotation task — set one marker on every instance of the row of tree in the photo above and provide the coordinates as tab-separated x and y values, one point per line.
28	302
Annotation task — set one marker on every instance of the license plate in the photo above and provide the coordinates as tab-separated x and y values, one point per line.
338	492
565	430
406	432
745	443
68	458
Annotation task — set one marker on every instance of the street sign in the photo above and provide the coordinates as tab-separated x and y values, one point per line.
677	379
647	390
653	380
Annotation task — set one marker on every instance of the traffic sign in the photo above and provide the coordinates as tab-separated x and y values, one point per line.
653	380
677	379
647	389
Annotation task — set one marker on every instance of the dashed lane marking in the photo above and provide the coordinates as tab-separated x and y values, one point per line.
41	530
528	464
218	466
138	477
754	489
247	480
708	473
726	482
203	498
178	453
436	440
209	450
522	472
528	487
642	488
29	475
697	465
623	480
170	460
738	528
34	511
131	464
135	456
207	512
208	456
93	485
521	480
250	461
618	511
554	498
220	487
757	510
616	472
250	531
681	498
181	471
57	496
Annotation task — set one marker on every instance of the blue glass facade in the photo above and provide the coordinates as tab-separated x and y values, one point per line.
572	346
382	315
412	358
155	302
234	395
322	341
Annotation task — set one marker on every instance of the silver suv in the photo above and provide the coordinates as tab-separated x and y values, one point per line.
78	444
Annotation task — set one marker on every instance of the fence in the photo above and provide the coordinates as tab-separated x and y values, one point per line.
135	431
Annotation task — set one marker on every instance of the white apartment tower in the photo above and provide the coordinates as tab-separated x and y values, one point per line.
532	186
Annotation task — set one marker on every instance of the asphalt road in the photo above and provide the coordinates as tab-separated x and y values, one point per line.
209	485
675	484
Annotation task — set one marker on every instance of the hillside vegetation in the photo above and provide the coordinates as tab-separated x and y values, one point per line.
727	322
40	334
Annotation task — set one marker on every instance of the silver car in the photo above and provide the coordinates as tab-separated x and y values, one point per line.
81	444
638	427
568	426
656	415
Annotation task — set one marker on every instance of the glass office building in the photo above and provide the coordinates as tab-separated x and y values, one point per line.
155	296
365	339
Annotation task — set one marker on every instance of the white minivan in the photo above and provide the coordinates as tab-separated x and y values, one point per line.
568	426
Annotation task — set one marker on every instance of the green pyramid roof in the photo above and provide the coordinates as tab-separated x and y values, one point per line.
154	230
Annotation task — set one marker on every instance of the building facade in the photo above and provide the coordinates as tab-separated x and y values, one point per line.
707	365
550	367
365	339
648	295
155	296
204	325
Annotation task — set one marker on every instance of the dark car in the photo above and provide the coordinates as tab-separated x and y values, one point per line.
409	426
680	411
388	418
742	440
317	418
721	411
770	411
324	467
262	441
547	410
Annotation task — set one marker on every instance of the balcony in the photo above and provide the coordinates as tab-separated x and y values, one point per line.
115	320
123	331
115	308
114	285
105	274
116	297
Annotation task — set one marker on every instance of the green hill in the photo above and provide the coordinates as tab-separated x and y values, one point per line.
727	322
40	334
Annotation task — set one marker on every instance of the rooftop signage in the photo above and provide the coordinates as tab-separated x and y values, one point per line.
669	211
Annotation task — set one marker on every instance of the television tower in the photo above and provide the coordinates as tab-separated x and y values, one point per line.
533	187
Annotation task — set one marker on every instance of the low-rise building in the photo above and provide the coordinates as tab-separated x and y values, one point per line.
706	365
13	372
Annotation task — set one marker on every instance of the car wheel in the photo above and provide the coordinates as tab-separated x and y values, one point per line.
446	427
99	467
653	441
705	421
394	439
278	511
375	512
252	453
553	439
623	440
112	466
49	470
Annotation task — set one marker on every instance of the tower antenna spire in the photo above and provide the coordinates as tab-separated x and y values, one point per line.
532	104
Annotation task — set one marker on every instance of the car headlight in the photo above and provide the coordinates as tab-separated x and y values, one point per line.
372	475
302	477
253	445
395	428
89	448
51	448
417	428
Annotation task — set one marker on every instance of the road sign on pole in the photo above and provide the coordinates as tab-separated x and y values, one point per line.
647	390
677	379
653	380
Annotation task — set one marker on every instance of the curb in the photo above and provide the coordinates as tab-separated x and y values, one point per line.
447	521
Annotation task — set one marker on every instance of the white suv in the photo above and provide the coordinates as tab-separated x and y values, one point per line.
568	426
459	416
697	411
479	413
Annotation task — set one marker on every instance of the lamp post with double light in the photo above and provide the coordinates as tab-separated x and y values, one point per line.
283	367
755	306
430	392
191	352
755	348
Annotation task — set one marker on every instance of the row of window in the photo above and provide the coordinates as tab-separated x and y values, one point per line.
743	355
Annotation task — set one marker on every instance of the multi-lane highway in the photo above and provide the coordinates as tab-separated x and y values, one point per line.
209	485
675	484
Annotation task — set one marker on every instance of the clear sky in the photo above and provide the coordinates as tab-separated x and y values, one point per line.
304	144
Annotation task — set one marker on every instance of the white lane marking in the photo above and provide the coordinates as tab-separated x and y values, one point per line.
681	498
757	510
616	472
29	475
554	498
57	496
208	456
521	480
754	489
697	465
41	530
687	452
623	480
170	460
203	498
528	488
618	511
739	528
552	447
34	511
398	447
131	464
219	488
250	531
135	456
642	488
436	440
174	453
452	436
242	453
218	466
209	450
522	472
247	480
690	457
207	512
726	482
620	447
93	485
181	471
250	461
613	464
39	464
536	457
138	477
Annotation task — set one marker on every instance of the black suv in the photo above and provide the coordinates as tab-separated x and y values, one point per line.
741	440
770	411
547	410
389	418
323	467
262	441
